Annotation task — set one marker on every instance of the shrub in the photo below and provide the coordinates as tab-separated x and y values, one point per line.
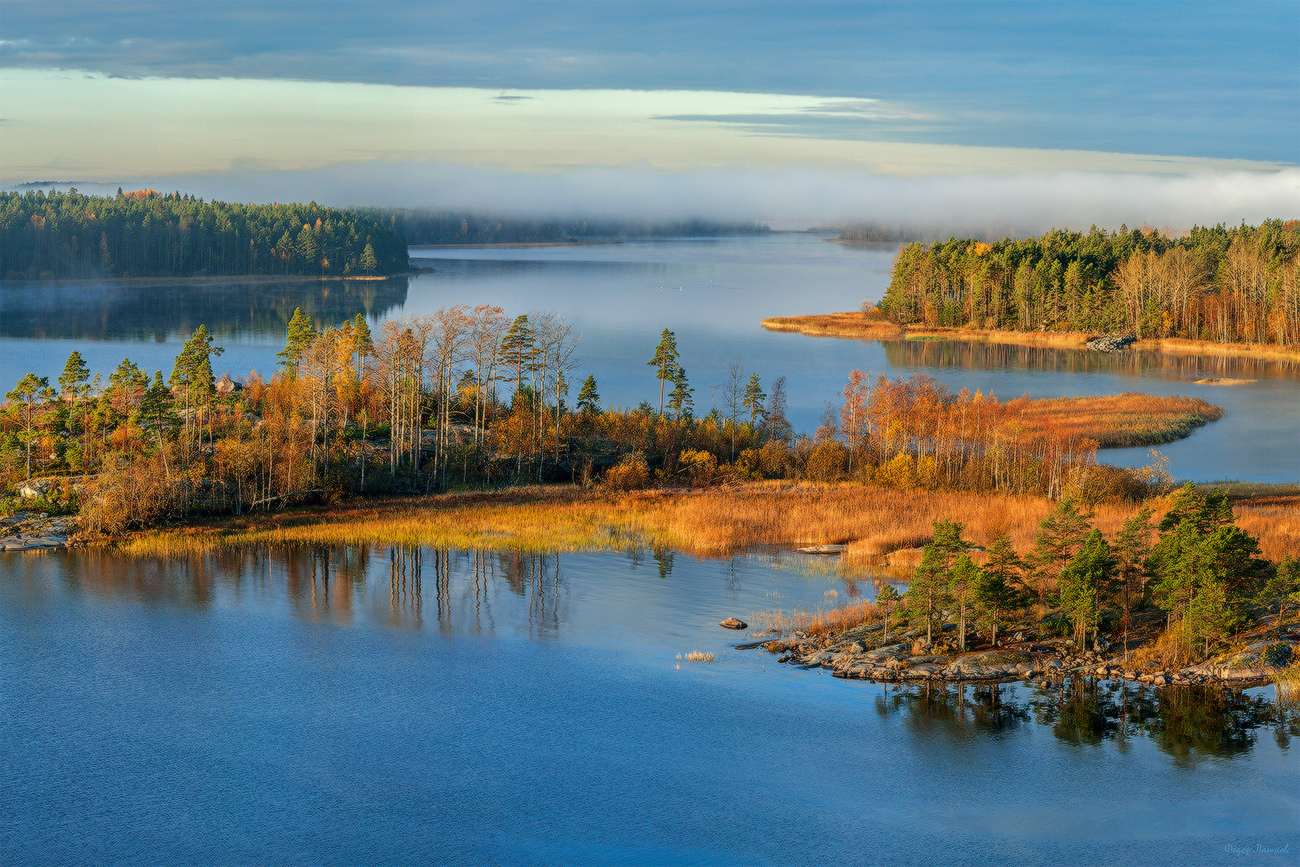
629	474
828	462
774	459
699	467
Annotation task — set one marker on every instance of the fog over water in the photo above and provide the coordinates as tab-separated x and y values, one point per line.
1013	203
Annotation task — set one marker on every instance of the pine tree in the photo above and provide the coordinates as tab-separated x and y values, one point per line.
1084	583
368	261
679	401
665	362
519	351
156	412
1059	536
754	398
31	391
300	338
1131	548
964	579
74	377
887	599
927	593
363	343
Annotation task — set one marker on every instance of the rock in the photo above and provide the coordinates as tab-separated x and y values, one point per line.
822	549
855	647
734	623
1110	343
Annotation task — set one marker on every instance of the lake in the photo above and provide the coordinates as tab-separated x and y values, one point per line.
416	706
377	705
712	293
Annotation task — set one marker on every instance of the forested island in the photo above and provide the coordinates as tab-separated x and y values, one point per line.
1223	285
145	233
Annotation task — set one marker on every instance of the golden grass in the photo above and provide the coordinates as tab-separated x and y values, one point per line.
1120	420
1287	681
1275	521
856	325
696	656
872	521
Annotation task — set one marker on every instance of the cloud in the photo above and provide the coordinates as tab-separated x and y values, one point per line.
1016	204
1211	81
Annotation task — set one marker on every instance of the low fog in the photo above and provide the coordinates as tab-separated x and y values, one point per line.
962	205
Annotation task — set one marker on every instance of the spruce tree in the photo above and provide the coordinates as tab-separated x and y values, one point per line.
588	397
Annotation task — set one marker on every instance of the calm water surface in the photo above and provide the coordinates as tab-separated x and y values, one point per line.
417	706
711	292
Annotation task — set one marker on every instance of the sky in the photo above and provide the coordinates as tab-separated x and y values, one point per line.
1031	113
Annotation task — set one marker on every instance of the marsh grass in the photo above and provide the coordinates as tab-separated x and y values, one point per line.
757	516
696	656
1287	682
1121	420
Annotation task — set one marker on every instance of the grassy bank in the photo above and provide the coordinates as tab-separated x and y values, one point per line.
872	522
858	326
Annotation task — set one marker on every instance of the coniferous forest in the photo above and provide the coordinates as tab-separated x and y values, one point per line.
1226	285
149	234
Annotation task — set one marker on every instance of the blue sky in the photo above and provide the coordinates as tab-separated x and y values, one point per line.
223	95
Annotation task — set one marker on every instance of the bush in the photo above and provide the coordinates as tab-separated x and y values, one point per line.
828	462
630	473
774	459
699	467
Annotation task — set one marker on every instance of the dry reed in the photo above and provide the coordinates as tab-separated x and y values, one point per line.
696	656
855	325
872	521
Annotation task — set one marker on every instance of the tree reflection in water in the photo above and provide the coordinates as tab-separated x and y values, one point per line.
1188	723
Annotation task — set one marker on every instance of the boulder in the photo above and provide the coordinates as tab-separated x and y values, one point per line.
734	623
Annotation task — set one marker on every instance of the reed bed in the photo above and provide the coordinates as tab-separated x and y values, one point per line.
1120	420
873	522
1287	682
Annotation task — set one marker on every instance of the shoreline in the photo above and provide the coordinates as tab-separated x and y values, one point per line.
565	519
216	278
854	325
860	654
517	244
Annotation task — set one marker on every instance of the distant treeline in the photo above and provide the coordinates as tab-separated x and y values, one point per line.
1228	285
147	234
446	227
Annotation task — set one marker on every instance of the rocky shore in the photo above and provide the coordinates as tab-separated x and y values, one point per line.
862	653
36	531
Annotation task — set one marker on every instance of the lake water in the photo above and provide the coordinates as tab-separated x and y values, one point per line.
380	706
418	706
712	293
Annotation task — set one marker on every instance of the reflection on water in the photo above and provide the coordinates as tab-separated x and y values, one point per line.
250	309
485	594
957	354
1187	723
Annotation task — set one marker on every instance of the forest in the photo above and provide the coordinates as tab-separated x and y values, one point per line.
1225	285
144	233
470	397
429	227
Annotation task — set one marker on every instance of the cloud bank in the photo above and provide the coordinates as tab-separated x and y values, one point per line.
998	204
